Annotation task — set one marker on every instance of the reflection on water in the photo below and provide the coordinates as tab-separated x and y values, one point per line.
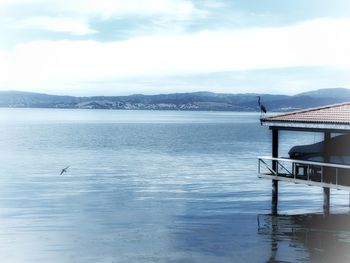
245	238
325	238
220	237
266	238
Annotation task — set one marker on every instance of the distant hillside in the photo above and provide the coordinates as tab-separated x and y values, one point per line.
328	93
178	101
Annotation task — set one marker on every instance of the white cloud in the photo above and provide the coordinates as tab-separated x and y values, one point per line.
16	2
107	8
75	26
52	63
76	16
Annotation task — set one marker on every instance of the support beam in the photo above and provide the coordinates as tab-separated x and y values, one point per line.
327	172
327	147
274	168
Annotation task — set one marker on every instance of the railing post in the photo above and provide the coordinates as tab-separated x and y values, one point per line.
336	177
274	202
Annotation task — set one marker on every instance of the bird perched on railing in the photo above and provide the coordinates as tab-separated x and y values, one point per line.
263	109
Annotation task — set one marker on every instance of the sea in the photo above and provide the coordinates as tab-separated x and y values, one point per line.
155	186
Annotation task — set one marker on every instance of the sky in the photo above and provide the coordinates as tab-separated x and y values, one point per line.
119	47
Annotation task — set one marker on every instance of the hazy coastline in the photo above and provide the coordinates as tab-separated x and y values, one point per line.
196	101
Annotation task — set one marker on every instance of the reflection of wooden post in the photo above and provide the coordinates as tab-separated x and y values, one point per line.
326	159
274	239
326	200
274	168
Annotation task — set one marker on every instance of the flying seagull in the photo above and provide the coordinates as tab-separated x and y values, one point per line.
64	170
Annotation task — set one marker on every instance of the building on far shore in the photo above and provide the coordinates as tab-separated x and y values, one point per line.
325	164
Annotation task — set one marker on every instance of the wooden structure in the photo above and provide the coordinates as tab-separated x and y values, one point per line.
330	120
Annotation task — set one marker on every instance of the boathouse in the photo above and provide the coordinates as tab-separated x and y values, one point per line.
324	164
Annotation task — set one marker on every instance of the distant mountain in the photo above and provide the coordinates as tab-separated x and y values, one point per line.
177	101
35	100
328	93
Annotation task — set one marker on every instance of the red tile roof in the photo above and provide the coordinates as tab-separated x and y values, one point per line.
337	114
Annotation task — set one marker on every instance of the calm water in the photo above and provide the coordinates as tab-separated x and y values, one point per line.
152	186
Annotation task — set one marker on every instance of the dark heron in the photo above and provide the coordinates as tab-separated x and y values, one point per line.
64	170
262	107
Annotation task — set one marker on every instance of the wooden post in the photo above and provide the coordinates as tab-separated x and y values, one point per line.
274	168
326	159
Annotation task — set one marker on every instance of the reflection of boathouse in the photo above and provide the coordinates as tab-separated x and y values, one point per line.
323	238
325	164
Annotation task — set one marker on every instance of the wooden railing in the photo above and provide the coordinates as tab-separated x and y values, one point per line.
307	172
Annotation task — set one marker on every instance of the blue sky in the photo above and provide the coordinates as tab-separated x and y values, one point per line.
118	47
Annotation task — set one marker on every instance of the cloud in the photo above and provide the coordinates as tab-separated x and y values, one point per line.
112	8
108	8
75	26
53	63
108	17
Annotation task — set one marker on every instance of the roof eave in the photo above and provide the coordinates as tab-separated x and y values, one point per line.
307	125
